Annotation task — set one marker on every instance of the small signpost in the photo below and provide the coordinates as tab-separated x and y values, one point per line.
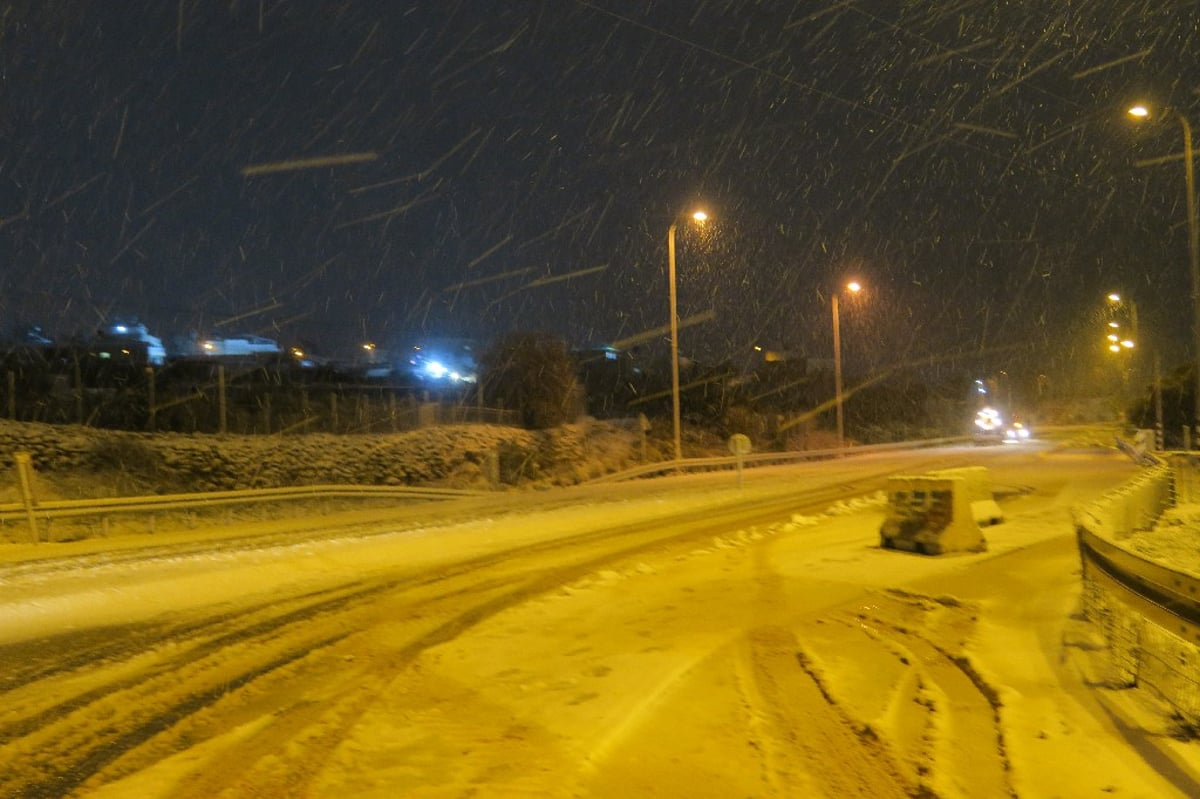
739	445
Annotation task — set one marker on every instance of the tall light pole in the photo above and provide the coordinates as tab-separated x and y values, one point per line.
1141	112
837	361
699	217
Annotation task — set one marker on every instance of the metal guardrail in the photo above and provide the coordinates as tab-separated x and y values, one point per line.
49	510
1168	597
766	458
75	508
33	512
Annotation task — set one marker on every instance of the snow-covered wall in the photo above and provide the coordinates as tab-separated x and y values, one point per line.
1140	652
1134	506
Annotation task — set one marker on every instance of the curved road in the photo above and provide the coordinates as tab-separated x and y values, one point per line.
676	637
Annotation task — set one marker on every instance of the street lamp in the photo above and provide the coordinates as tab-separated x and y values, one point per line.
1119	341
852	287
1118	344
1130	307
699	217
1142	112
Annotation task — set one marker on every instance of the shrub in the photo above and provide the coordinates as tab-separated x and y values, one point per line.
534	374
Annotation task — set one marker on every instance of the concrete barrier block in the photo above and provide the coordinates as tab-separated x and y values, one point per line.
939	512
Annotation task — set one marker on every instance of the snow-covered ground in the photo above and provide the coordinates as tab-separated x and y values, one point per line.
1174	541
624	641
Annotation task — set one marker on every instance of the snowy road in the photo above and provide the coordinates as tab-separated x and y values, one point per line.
679	637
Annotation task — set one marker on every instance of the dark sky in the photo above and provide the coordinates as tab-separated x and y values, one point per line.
494	165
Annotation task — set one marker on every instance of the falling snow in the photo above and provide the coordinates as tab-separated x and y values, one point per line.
340	171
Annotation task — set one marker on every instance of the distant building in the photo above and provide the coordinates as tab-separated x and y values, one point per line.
241	346
132	332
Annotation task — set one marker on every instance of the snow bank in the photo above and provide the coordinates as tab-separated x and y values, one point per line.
463	456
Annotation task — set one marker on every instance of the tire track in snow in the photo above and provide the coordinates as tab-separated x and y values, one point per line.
962	710
126	703
804	724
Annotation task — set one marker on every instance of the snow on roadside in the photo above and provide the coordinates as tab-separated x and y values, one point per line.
1174	541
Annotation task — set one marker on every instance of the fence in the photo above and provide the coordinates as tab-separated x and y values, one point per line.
214	398
1148	612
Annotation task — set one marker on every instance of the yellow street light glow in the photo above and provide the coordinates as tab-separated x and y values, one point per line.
854	285
699	217
1114	324
1113	337
1127	344
1114	347
1139	111
1114	297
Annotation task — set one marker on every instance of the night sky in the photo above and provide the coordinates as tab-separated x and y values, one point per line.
343	171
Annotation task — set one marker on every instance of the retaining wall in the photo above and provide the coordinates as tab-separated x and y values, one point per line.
1140	652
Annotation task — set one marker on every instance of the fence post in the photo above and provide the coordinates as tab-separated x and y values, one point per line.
222	424
24	462
78	390
150	398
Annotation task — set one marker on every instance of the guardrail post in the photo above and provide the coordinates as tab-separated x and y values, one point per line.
491	466
24	462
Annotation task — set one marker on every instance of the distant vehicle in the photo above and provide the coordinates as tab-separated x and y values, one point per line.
989	426
443	361
1016	432
239	346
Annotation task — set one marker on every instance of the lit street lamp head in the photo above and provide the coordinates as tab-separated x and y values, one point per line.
854	286
1140	111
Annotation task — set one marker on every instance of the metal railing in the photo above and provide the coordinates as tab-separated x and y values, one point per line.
33	512
770	458
1149	612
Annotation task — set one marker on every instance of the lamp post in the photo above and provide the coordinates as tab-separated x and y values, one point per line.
837	361
699	217
1117	344
1121	342
1141	112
